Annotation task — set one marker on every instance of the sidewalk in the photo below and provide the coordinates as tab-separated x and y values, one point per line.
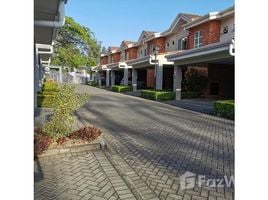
91	174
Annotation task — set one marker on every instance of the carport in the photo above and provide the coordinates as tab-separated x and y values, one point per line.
219	62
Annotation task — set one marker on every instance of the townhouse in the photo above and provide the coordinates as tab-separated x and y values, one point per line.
160	59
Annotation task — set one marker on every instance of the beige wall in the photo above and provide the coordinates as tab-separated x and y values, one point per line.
175	37
230	23
122	55
142	48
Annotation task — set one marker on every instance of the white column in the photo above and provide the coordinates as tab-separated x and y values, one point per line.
177	82
112	78
107	78
99	79
60	74
159	77
134	79
125	76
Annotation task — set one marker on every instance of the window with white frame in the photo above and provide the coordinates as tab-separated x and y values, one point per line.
198	39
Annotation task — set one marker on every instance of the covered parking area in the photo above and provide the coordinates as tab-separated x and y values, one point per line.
146	73
217	59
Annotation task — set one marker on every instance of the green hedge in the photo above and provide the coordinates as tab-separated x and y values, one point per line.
121	88
225	108
50	86
92	83
158	95
45	100
190	95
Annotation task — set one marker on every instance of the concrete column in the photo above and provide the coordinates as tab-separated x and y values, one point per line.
134	79
99	79
125	76
107	78
159	77
112	78
177	82
60	74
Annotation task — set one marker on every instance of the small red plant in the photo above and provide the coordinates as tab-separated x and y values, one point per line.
62	140
86	133
41	143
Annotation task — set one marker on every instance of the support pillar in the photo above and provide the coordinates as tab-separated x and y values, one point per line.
99	79
134	79
112	78
107	78
159	77
177	81
125	76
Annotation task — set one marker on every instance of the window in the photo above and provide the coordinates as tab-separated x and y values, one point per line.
184	43
126	55
198	39
145	52
141	52
225	30
167	44
173	42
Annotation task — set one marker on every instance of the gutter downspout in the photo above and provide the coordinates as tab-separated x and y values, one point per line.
54	24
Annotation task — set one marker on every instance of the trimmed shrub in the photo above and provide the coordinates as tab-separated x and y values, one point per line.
65	102
190	95
49	86
45	100
158	95
92	83
121	88
225	108
49	90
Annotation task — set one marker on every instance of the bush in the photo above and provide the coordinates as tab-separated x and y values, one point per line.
86	133
45	100
41	143
121	88
50	86
92	83
190	95
225	108
194	81
158	95
65	102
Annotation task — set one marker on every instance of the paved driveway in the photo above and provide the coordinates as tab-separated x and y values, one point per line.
161	142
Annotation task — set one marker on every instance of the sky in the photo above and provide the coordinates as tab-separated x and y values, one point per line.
113	21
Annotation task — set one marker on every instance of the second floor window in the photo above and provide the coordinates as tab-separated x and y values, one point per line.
145	52
184	43
198	39
126	55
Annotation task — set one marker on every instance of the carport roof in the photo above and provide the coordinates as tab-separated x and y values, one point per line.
209	52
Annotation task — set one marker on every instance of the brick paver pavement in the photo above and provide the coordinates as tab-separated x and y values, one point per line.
161	142
150	145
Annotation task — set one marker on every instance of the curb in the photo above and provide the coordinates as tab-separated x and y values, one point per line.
96	145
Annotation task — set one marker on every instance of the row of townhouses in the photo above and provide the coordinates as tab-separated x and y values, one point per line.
160	59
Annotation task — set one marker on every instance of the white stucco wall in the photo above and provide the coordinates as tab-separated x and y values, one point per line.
230	23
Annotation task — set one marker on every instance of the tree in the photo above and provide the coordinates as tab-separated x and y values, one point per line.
75	46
